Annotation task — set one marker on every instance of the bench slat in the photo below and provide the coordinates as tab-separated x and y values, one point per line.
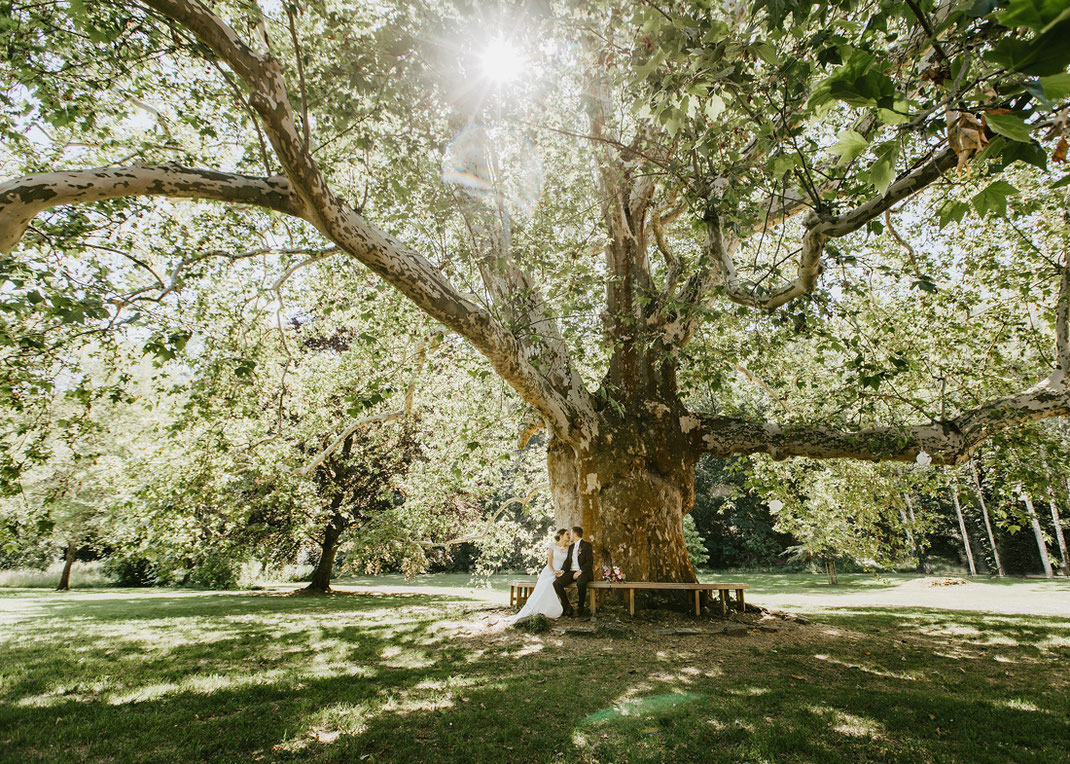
521	589
646	585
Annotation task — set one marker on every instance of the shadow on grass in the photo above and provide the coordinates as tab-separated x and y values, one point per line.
277	678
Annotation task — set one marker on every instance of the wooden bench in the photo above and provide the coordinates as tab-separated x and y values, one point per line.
521	589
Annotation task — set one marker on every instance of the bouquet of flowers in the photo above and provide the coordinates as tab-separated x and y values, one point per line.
613	574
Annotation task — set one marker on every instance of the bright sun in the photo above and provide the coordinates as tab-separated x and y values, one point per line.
501	61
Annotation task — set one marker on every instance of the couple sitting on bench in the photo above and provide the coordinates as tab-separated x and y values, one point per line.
569	560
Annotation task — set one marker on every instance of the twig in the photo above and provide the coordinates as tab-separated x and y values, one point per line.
523	502
300	74
427	344
903	242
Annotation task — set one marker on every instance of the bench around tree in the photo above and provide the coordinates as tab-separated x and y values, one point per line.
521	589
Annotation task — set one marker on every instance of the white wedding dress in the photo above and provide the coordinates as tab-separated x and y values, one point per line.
544	599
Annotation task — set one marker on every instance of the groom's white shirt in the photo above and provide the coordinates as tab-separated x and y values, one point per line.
576	555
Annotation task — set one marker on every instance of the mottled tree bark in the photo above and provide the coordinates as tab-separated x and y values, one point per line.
629	490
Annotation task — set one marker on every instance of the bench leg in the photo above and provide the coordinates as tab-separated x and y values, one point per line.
512	596
723	593
698	602
631	601
739	600
594	601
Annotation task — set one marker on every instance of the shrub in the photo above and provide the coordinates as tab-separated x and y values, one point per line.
216	572
132	571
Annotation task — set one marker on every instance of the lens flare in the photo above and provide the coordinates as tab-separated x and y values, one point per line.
501	61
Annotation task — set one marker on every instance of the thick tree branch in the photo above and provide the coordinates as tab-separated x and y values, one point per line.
517	294
719	269
950	441
305	193
24	198
568	410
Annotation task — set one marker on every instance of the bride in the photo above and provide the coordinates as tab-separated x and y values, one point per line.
544	599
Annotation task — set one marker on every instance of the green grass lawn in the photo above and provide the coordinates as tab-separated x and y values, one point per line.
136	675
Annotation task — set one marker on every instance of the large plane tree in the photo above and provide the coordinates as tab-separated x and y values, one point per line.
725	153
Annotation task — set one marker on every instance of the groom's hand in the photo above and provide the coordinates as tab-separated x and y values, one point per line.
558	573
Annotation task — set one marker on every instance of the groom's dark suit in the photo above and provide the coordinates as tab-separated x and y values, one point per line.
581	577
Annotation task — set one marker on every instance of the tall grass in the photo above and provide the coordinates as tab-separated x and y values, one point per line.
84	575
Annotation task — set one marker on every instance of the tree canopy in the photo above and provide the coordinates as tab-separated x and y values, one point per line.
794	229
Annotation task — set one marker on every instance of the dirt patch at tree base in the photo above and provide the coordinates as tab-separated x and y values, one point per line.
613	623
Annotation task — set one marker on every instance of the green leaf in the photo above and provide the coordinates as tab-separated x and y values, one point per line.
714	107
1060	19
952	211
882	173
766	52
849	144
1057	86
783	163
1047	54
993	198
1035	14
870	89
1009	125
1030	153
1063	181
890	117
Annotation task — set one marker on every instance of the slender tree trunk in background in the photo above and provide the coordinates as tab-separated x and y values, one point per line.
321	576
68	563
1041	546
988	522
910	536
830	569
923	559
1064	562
962	526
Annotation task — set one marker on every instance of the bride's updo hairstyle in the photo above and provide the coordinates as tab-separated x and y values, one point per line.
560	532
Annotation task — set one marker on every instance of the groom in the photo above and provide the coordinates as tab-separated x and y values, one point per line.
577	568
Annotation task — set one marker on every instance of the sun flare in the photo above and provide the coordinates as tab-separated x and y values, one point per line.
501	61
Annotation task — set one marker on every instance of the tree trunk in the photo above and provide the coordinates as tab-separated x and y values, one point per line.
1060	538
830	569
919	554
321	576
988	522
68	563
630	490
962	528
561	466
1041	546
